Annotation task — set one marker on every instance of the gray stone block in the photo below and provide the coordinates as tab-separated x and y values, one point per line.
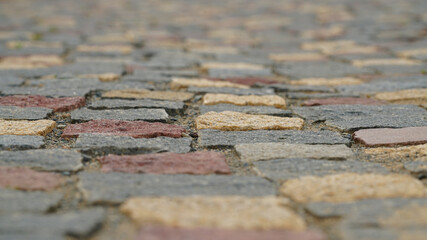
15	142
235	91
12	201
263	110
170	106
145	114
20	113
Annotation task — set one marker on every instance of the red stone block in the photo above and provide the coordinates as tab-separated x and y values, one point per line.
167	163
136	129
246	81
57	104
391	137
27	179
341	101
164	233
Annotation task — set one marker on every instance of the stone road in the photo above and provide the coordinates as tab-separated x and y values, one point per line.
197	119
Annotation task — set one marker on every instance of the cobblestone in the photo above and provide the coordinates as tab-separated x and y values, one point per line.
171	107
145	114
390	137
56	104
27	179
40	127
13	142
18	113
261	110
12	201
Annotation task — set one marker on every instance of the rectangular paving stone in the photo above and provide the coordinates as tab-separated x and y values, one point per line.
403	154
143	94
27	179
105	144
283	169
391	137
385	62
386	85
56	104
14	142
342	101
43	159
250	100
234	121
268	151
408	96
184	83
248	81
117	187
145	114
171	107
13	201
281	87
235	91
137	129
39	127
296	57
20	113
216	139
354	117
300	95
80	223
327	81
197	163
226	73
261	110
210	212
348	187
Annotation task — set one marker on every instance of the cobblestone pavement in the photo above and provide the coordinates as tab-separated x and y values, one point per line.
197	119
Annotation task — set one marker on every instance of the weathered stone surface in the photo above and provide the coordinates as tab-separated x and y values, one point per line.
417	152
184	83
386	85
283	169
109	187
419	167
234	121
30	62
100	143
299	95
250	100
341	101
235	91
12	201
348	187
169	106
226	70
297	57
197	163
390	137
143	93
56	104
268	151
281	87
385	62
18	113
354	117
210	212
145	114
39	127
249	81
44	159
319	69
27	179
13	142
169	233
79	223
137	129
261	110
215	138
327	81
408	96
6	81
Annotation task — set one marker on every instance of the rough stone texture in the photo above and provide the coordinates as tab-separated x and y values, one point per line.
143	93
327	81
168	233
408	96
234	121
13	142
79	223
136	129
354	117
44	159
298	95
235	91
283	169
215	138
268	151
419	167
261	110
169	106
226	70
280	87
348	187
184	83
100	143
145	114
39	127
56	104
319	69
27	179
249	81
250	100
296	57
109	187
18	113
341	101
385	85
390	137
12	201
197	163
386	62
418	152
189	212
